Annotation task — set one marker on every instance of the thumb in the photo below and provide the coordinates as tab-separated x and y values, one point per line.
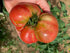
9	4
44	5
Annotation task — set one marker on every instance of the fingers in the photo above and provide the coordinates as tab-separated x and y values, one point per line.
44	5
6	6
9	4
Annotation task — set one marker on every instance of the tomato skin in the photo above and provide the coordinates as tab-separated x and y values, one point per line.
21	13
27	35
49	18
32	7
47	28
18	28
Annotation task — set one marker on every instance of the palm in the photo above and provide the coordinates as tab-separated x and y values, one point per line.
9	4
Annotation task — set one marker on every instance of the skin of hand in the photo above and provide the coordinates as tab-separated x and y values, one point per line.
9	4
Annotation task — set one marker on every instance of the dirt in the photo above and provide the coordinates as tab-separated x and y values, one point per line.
30	49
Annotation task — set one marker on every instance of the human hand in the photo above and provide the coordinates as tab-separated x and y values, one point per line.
9	4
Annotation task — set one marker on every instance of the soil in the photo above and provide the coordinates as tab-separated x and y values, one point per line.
23	47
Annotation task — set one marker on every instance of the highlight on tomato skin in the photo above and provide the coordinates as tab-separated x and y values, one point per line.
21	13
27	35
47	28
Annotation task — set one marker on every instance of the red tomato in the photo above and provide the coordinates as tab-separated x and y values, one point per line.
21	13
47	28
49	18
27	35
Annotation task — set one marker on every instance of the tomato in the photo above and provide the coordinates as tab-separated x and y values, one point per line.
24	16
45	31
47	28
21	13
27	35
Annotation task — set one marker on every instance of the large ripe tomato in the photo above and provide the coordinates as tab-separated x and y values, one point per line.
21	13
47	28
45	31
27	35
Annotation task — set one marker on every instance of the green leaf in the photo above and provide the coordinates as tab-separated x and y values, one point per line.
65	13
4	9
40	8
28	45
42	47
32	52
67	44
61	24
49	3
59	34
9	51
64	29
32	21
33	44
66	52
50	50
62	51
63	8
66	36
60	40
55	11
68	25
57	51
5	12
